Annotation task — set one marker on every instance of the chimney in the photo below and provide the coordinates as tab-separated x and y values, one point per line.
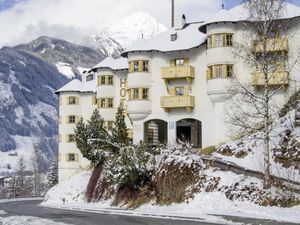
180	22
173	13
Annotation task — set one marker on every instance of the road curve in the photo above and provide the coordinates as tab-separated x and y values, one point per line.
32	208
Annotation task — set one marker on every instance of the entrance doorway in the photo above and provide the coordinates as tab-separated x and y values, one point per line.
156	132
189	130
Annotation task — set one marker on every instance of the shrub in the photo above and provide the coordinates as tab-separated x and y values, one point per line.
131	168
178	174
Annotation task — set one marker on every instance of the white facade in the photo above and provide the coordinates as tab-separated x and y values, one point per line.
176	87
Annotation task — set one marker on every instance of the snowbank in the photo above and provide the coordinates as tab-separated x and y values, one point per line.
205	205
72	190
253	147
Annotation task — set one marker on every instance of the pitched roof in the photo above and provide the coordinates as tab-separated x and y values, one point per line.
114	64
240	13
78	86
187	38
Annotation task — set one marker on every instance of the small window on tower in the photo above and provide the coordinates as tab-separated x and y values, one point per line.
102	103
110	80
102	80
135	93
71	157
136	66
72	100
145	66
72	119
179	62
179	91
229	40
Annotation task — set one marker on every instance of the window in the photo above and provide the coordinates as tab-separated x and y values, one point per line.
229	70
219	40
72	119
210	73
135	93
102	80
179	91
110	80
71	138
145	93
218	71
272	67
145	66
72	100
136	66
102	103
179	62
228	40
110	125
71	157
209	41
110	103
89	77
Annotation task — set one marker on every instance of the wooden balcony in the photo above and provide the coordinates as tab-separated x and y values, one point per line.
279	44
275	78
179	72
172	102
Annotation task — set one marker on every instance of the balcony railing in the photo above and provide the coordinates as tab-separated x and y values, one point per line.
179	72
273	45
171	102
275	78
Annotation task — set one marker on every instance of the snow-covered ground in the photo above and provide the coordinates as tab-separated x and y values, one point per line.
9	160
27	220
205	205
254	145
65	69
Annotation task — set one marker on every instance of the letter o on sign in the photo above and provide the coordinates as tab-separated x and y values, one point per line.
123	92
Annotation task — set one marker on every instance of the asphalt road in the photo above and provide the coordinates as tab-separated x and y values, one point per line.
31	208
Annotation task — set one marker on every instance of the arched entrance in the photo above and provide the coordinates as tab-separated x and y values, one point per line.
156	131
189	130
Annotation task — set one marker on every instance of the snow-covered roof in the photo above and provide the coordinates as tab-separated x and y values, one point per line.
240	13
187	38
114	64
78	86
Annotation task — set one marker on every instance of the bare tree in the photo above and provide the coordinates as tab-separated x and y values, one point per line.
38	167
253	107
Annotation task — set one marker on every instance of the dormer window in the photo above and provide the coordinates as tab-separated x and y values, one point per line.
89	77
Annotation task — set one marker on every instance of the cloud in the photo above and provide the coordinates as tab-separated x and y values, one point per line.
28	19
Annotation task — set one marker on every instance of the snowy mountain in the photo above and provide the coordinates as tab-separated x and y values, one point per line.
119	36
66	56
28	106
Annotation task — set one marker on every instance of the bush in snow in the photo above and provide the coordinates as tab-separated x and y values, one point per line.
253	192
131	168
178	174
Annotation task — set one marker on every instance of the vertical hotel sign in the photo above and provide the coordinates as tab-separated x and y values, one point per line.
123	86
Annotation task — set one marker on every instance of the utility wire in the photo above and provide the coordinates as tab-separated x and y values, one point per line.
92	26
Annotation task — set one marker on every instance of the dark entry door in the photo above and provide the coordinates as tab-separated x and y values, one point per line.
184	133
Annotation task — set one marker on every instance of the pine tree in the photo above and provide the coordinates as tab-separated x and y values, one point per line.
53	174
119	131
